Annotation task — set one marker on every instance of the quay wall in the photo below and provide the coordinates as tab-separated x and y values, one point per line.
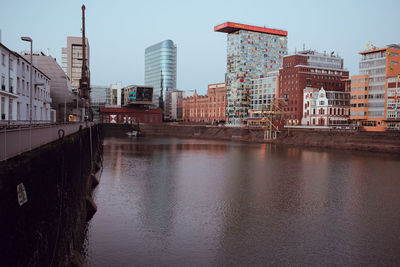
323	138
48	229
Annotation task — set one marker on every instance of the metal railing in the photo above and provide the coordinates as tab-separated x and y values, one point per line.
17	139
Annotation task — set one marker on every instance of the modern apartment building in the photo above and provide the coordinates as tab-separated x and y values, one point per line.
19	103
252	52
71	59
325	108
312	69
134	95
160	69
374	93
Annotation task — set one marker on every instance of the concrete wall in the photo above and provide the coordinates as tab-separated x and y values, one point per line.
336	139
49	228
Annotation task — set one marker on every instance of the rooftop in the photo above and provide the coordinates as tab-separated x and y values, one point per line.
230	27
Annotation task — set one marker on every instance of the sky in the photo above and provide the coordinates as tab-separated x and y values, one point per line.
119	31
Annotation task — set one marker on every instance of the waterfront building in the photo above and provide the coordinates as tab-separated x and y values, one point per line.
262	92
160	69
15	91
176	105
375	104
130	114
137	95
325	108
61	93
252	52
208	108
99	96
71	59
216	102
308	68
116	94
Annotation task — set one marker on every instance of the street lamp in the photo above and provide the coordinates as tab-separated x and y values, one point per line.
29	39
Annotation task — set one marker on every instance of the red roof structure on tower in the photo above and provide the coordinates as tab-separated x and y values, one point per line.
230	27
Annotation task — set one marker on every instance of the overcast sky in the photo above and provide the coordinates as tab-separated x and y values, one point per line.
119	31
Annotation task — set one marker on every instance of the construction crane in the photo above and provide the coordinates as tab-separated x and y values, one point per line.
272	114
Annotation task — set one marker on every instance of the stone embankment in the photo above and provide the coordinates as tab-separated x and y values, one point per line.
45	201
323	138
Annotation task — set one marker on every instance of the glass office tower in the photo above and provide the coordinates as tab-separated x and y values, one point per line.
160	68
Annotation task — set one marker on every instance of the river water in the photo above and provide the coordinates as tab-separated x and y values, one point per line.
187	202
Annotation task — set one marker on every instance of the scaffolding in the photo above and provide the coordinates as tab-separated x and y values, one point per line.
273	117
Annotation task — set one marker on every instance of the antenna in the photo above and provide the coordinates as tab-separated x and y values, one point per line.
304	46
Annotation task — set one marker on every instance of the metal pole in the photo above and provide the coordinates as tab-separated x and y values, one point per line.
30	95
77	105
65	110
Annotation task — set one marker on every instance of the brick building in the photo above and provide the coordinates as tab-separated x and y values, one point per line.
130	115
206	108
308	69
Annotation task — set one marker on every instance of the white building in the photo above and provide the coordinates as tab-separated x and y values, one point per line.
115	93
15	90
325	108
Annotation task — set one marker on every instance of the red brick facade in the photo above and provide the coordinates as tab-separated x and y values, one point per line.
130	115
208	108
296	75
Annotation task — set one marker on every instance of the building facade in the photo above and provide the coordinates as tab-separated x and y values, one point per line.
216	102
99	96
160	68
252	52
325	108
176	105
263	91
137	95
374	92
130	115
208	108
116	94
308	69
19	103
61	92
71	59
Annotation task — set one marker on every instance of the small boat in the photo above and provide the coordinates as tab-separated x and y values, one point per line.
133	133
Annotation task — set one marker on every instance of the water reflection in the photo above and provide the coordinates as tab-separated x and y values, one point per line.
165	201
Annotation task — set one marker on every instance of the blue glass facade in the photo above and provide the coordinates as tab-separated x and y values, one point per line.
160	59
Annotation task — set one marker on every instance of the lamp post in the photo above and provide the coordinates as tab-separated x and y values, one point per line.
28	39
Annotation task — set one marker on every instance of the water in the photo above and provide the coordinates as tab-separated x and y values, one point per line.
186	202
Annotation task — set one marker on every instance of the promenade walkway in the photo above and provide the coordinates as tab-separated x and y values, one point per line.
17	139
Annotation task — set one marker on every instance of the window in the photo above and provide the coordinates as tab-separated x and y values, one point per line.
3	82
3	59
3	115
